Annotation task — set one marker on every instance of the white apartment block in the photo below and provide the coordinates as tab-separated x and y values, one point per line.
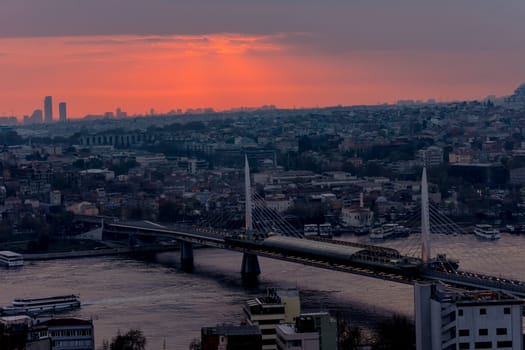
450	319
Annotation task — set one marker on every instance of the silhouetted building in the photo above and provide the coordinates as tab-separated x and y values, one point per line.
229	337
35	118
14	331
480	173
517	100
48	109
62	110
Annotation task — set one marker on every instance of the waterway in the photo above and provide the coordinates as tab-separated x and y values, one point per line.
169	305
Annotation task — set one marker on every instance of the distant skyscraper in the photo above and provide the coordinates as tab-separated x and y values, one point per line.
62	112
48	109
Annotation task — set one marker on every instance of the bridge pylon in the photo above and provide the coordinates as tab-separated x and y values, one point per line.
425	219
250	269
186	256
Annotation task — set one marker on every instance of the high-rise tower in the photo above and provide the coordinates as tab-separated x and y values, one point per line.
48	109
62	112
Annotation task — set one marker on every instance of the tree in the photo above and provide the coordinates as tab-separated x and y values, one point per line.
395	333
195	344
349	337
132	340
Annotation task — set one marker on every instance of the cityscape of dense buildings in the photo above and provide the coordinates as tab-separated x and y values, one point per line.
346	168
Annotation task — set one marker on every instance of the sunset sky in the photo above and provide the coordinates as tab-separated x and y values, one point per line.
167	54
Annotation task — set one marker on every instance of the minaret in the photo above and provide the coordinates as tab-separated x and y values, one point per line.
425	219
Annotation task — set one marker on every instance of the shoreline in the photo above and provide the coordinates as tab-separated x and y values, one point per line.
97	252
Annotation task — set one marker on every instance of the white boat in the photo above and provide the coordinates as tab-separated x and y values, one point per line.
40	305
325	231
389	231
486	231
311	230
11	259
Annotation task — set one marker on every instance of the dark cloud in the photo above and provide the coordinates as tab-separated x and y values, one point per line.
129	40
337	26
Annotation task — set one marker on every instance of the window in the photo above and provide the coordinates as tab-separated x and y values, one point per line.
464	332
464	346
483	331
483	345
460	312
506	310
504	344
482	311
501	331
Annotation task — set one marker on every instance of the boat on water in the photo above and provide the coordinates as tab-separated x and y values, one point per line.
325	231
11	259
41	305
389	231
486	231
311	230
514	229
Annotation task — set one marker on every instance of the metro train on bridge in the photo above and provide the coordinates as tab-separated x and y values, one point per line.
371	257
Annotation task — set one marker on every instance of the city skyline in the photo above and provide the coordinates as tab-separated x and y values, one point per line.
140	56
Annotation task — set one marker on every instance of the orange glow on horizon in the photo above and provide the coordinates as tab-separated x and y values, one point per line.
222	71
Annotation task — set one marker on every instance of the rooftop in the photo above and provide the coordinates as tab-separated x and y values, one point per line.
231	330
447	294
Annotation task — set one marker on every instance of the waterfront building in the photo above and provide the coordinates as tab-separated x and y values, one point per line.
278	306
326	326
357	217
62	112
430	157
449	319
310	331
301	336
48	109
66	333
229	337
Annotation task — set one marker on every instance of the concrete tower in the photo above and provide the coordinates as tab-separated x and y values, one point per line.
62	112
48	109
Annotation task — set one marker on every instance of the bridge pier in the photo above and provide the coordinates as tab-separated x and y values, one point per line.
250	269
186	256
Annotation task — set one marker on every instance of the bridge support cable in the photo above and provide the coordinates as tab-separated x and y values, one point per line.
410	246
263	220
445	218
262	223
270	216
458	247
290	229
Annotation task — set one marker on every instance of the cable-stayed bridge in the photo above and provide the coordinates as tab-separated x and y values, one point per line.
268	234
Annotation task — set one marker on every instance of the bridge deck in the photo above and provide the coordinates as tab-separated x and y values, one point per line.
212	238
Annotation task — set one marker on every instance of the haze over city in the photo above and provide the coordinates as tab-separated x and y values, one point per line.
98	55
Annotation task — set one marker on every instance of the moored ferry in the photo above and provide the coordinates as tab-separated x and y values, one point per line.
40	305
486	231
389	231
11	259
